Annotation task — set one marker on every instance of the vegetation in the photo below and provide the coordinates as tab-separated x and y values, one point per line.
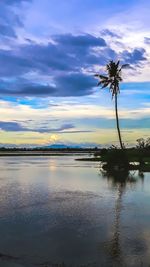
112	80
115	159
143	143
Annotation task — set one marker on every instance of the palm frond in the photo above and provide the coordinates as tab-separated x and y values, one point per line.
105	85
100	76
117	65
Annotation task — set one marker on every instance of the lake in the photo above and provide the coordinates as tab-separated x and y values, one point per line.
55	211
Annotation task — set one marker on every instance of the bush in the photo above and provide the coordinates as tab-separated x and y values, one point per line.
116	159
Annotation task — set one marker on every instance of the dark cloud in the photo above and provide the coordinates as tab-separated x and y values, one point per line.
18	127
135	57
73	84
69	53
10	126
14	65
62	128
107	32
147	40
50	58
63	61
63	65
85	41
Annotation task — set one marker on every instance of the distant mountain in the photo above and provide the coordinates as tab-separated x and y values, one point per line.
61	146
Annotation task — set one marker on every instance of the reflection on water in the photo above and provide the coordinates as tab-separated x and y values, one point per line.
120	180
60	211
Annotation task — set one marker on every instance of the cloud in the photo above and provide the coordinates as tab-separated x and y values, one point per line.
135	57
10	19
83	41
8	31
147	40
13	65
61	66
73	84
18	127
68	53
12	126
107	32
65	52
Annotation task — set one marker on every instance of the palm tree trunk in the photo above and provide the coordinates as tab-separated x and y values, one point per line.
117	122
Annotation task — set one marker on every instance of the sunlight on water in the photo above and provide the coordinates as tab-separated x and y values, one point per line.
55	210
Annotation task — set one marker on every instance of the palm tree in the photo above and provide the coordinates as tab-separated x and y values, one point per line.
112	80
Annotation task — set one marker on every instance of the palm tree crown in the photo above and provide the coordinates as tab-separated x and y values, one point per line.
113	79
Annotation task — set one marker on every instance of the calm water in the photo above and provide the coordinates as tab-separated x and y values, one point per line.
55	210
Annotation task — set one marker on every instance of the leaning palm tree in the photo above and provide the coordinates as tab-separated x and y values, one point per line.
112	80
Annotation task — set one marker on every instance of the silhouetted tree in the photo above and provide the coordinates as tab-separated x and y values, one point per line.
143	143
112	80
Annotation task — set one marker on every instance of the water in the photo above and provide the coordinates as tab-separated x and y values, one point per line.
55	211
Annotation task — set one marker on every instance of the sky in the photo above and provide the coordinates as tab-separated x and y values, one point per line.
49	53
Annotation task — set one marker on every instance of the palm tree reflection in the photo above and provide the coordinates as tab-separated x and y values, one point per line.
119	181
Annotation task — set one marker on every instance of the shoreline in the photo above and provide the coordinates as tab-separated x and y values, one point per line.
40	153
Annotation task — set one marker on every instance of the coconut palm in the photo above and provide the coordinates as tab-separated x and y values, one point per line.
112	80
